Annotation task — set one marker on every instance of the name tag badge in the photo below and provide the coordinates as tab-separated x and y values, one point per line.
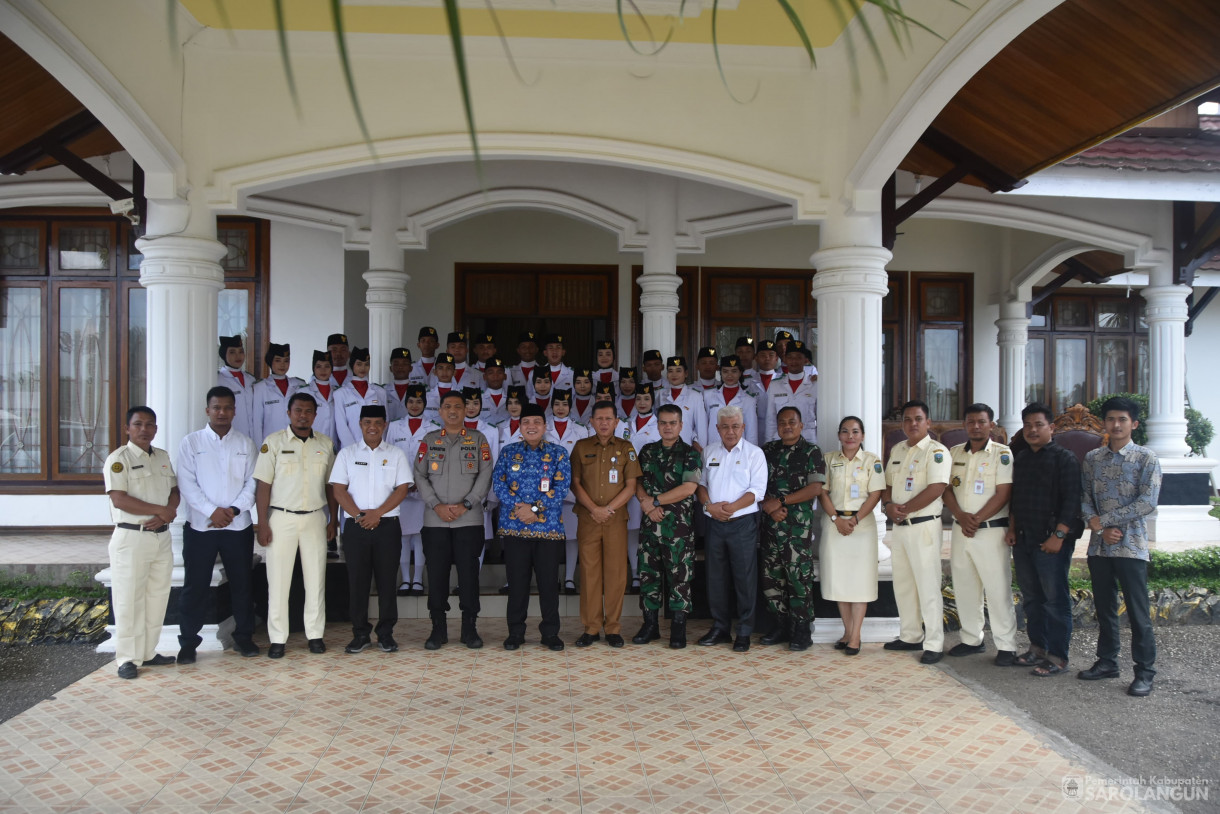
978	487
614	476
855	491
544	485
910	484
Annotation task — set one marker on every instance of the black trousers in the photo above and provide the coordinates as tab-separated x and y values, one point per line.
525	557
445	547
199	551
1131	575
373	554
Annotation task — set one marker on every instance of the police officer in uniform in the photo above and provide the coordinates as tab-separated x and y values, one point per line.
916	477
979	560
604	474
370	479
143	490
291	493
795	474
233	376
669	476
453	467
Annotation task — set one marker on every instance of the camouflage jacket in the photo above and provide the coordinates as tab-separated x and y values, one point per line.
791	468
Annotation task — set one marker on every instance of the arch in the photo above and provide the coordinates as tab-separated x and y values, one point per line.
230	185
983	36
41	35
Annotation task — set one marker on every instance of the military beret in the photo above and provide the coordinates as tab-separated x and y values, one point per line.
445	359
652	356
562	395
360	354
644	389
554	339
456	336
336	339
400	353
626	373
320	356
730	361
532	411
744	342
472	394
427	330
373	411
527	336
604	344
706	353
274	350
494	361
516	391
676	361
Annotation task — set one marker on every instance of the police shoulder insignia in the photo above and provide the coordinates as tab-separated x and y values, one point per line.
631	455
116	467
1004	459
877	467
938	457
264	448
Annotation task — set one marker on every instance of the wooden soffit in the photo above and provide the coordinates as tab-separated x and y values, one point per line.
1083	73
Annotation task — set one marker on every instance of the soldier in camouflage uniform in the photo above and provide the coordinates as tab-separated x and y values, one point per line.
666	491
795	474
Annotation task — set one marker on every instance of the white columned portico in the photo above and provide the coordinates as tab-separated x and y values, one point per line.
1166	315
659	282
386	298
1013	338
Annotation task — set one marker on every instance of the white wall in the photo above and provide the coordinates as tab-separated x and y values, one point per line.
306	297
1202	383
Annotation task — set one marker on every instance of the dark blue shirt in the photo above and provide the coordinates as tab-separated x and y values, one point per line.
518	478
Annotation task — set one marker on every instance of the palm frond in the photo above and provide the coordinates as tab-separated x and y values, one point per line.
336	13
459	58
622	24
281	28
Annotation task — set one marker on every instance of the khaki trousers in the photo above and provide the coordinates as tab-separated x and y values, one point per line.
602	559
982	568
141	565
291	533
921	609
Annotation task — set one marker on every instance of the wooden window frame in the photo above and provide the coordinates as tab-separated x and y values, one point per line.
43	270
58	226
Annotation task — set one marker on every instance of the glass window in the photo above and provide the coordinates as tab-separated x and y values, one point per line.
941	373
1035	371
237	241
85	348
1142	379
887	369
21	249
725	339
1071	372
1112	362
943	301
783	298
137	346
21	334
84	248
233	314
733	298
1114	315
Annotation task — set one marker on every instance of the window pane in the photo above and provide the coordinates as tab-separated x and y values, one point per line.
734	298
84	248
21	249
1112	363
1071	372
1072	314
725	340
237	241
942	301
233	315
811	342
137	346
1035	371
940	372
783	298
1114	315
84	379
134	258
20	381
887	368
1142	379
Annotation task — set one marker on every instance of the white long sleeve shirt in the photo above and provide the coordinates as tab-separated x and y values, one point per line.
215	472
730	473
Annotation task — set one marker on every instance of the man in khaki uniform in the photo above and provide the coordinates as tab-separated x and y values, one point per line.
292	474
916	477
143	492
604	474
981	561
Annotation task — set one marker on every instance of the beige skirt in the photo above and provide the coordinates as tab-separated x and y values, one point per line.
848	565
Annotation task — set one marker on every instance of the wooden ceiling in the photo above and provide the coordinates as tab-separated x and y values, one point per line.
1083	73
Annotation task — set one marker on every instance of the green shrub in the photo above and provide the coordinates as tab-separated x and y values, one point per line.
1199	431
20	588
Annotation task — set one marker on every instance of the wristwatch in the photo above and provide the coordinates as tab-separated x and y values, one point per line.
1060	534
834	518
656	501
535	508
466	504
360	515
783	500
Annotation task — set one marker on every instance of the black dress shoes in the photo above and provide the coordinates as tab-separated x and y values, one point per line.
246	647
1100	669
899	644
317	646
931	657
387	644
714	637
741	644
186	655
1005	658
128	670
1141	687
587	639
963	649
159	661
358	645
514	642
552	643
275	651
614	640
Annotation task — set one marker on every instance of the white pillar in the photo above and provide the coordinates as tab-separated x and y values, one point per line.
1013	337
659	281
386	298
1166	314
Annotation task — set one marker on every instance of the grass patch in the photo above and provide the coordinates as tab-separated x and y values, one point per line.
80	586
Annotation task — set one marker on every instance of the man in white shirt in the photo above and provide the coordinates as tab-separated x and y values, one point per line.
734	480
216	480
370	479
233	375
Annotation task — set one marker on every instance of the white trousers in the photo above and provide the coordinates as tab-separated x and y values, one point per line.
291	533
921	609
982	568
141	565
412	545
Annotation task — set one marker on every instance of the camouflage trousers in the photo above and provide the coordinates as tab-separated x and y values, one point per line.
667	552
787	568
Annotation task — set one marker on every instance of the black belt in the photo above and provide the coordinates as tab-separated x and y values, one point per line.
294	511
916	520
137	527
1001	523
845	514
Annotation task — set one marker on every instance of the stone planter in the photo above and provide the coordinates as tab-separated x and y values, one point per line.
30	621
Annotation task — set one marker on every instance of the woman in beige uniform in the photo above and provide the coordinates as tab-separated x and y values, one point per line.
855	480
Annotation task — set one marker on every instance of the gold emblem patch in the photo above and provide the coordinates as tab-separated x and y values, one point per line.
116	467
265	448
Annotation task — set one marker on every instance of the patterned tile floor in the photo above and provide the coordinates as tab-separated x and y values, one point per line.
597	730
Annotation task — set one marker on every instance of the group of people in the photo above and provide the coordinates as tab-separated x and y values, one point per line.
621	467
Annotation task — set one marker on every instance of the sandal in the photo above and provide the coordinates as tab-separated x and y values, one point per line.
1027	659
1049	668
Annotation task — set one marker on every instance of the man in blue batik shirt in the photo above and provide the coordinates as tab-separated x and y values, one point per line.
531	479
1121	483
